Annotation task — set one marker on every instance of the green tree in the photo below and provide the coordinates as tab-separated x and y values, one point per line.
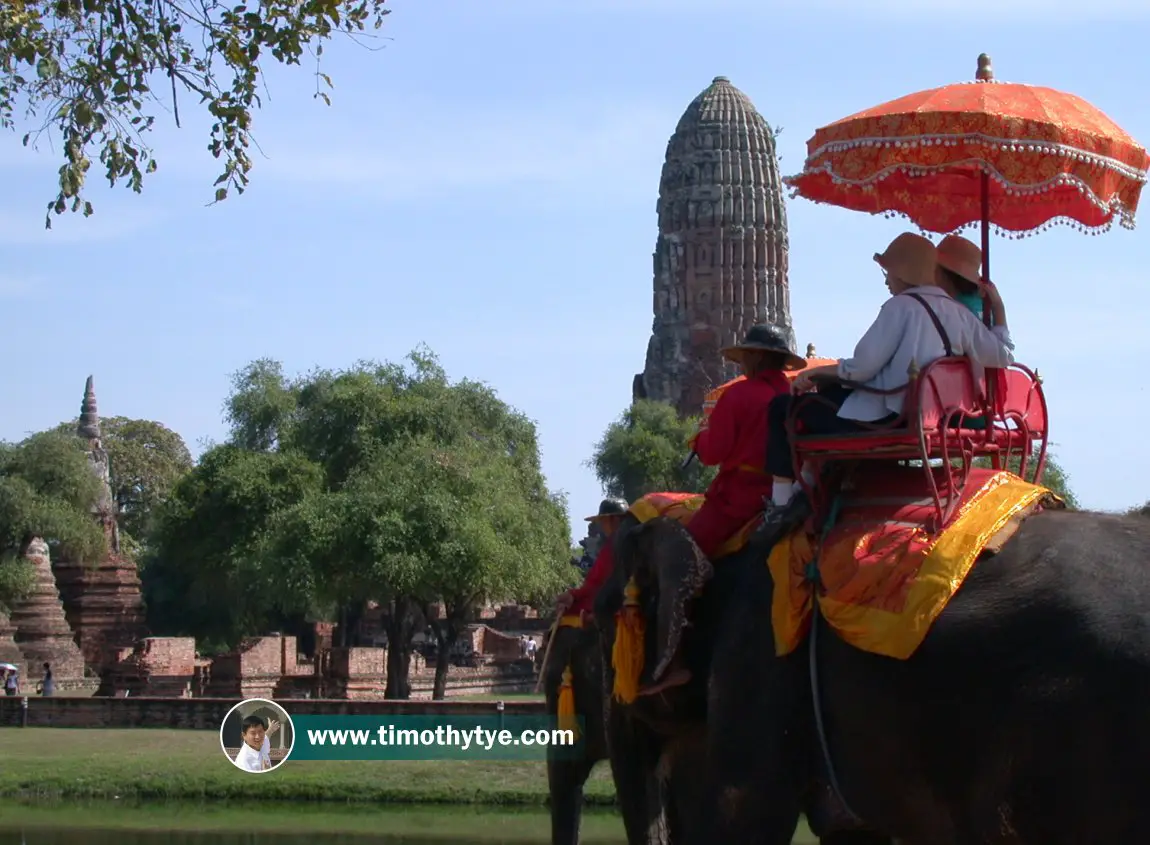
419	490
48	490
434	492
203	575
261	403
1054	477
97	71
145	459
643	452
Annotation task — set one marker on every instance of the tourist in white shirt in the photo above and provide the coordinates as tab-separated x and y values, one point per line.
254	754
905	331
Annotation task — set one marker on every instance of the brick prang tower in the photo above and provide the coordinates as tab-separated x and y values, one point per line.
720	262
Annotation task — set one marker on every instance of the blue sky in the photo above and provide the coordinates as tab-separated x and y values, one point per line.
485	184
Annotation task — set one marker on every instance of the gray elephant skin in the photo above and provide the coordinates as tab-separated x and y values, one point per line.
660	789
1021	718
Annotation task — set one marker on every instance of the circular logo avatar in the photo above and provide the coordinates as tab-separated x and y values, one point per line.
257	735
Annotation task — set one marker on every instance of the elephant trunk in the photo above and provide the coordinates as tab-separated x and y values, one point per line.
682	571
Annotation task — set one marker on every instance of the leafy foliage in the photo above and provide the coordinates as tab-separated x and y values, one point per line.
262	401
47	489
16	580
203	575
1054	477
643	452
145	459
394	485
96	71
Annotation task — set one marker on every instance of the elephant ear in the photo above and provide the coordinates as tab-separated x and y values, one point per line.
681	571
627	546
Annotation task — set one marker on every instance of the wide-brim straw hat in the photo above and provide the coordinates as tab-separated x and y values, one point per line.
960	256
607	508
767	337
911	259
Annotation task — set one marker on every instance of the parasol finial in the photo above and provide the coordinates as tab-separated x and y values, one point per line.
985	70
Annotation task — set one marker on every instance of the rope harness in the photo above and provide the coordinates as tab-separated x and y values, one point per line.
811	575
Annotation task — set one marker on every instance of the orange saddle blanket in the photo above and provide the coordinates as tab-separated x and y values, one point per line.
885	578
681	507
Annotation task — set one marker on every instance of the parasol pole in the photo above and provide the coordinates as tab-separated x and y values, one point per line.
985	73
985	242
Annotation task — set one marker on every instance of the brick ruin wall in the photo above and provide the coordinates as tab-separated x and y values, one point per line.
271	667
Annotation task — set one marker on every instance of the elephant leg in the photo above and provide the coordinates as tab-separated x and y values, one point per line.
633	756
757	717
751	795
565	780
678	778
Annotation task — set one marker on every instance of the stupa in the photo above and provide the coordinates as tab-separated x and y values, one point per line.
102	599
720	261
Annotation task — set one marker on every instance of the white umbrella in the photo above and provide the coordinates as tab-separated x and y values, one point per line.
9	667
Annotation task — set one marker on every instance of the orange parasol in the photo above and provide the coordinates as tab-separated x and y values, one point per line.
1018	157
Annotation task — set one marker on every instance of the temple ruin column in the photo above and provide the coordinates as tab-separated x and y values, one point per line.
42	631
102	599
720	260
9	651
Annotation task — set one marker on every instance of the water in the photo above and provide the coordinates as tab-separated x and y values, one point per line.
282	823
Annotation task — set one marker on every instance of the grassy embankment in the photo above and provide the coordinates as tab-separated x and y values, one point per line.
406	824
52	764
189	766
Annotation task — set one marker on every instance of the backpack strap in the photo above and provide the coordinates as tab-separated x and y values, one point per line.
937	323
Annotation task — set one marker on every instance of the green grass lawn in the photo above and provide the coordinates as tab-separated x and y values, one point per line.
189	765
134	771
441	824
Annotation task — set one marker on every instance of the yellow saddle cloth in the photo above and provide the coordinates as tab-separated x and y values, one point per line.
885	578
681	507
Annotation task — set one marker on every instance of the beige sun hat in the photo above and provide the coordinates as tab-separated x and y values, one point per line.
962	257
910	258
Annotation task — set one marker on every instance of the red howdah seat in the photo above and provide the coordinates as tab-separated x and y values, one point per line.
949	415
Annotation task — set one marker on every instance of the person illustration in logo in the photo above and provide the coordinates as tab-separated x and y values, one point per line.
255	753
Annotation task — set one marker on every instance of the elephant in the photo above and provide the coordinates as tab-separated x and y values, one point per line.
1020	718
658	793
579	649
680	719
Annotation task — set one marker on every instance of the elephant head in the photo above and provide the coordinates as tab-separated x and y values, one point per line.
662	561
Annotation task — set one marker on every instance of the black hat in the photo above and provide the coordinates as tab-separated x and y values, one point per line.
768	337
609	507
